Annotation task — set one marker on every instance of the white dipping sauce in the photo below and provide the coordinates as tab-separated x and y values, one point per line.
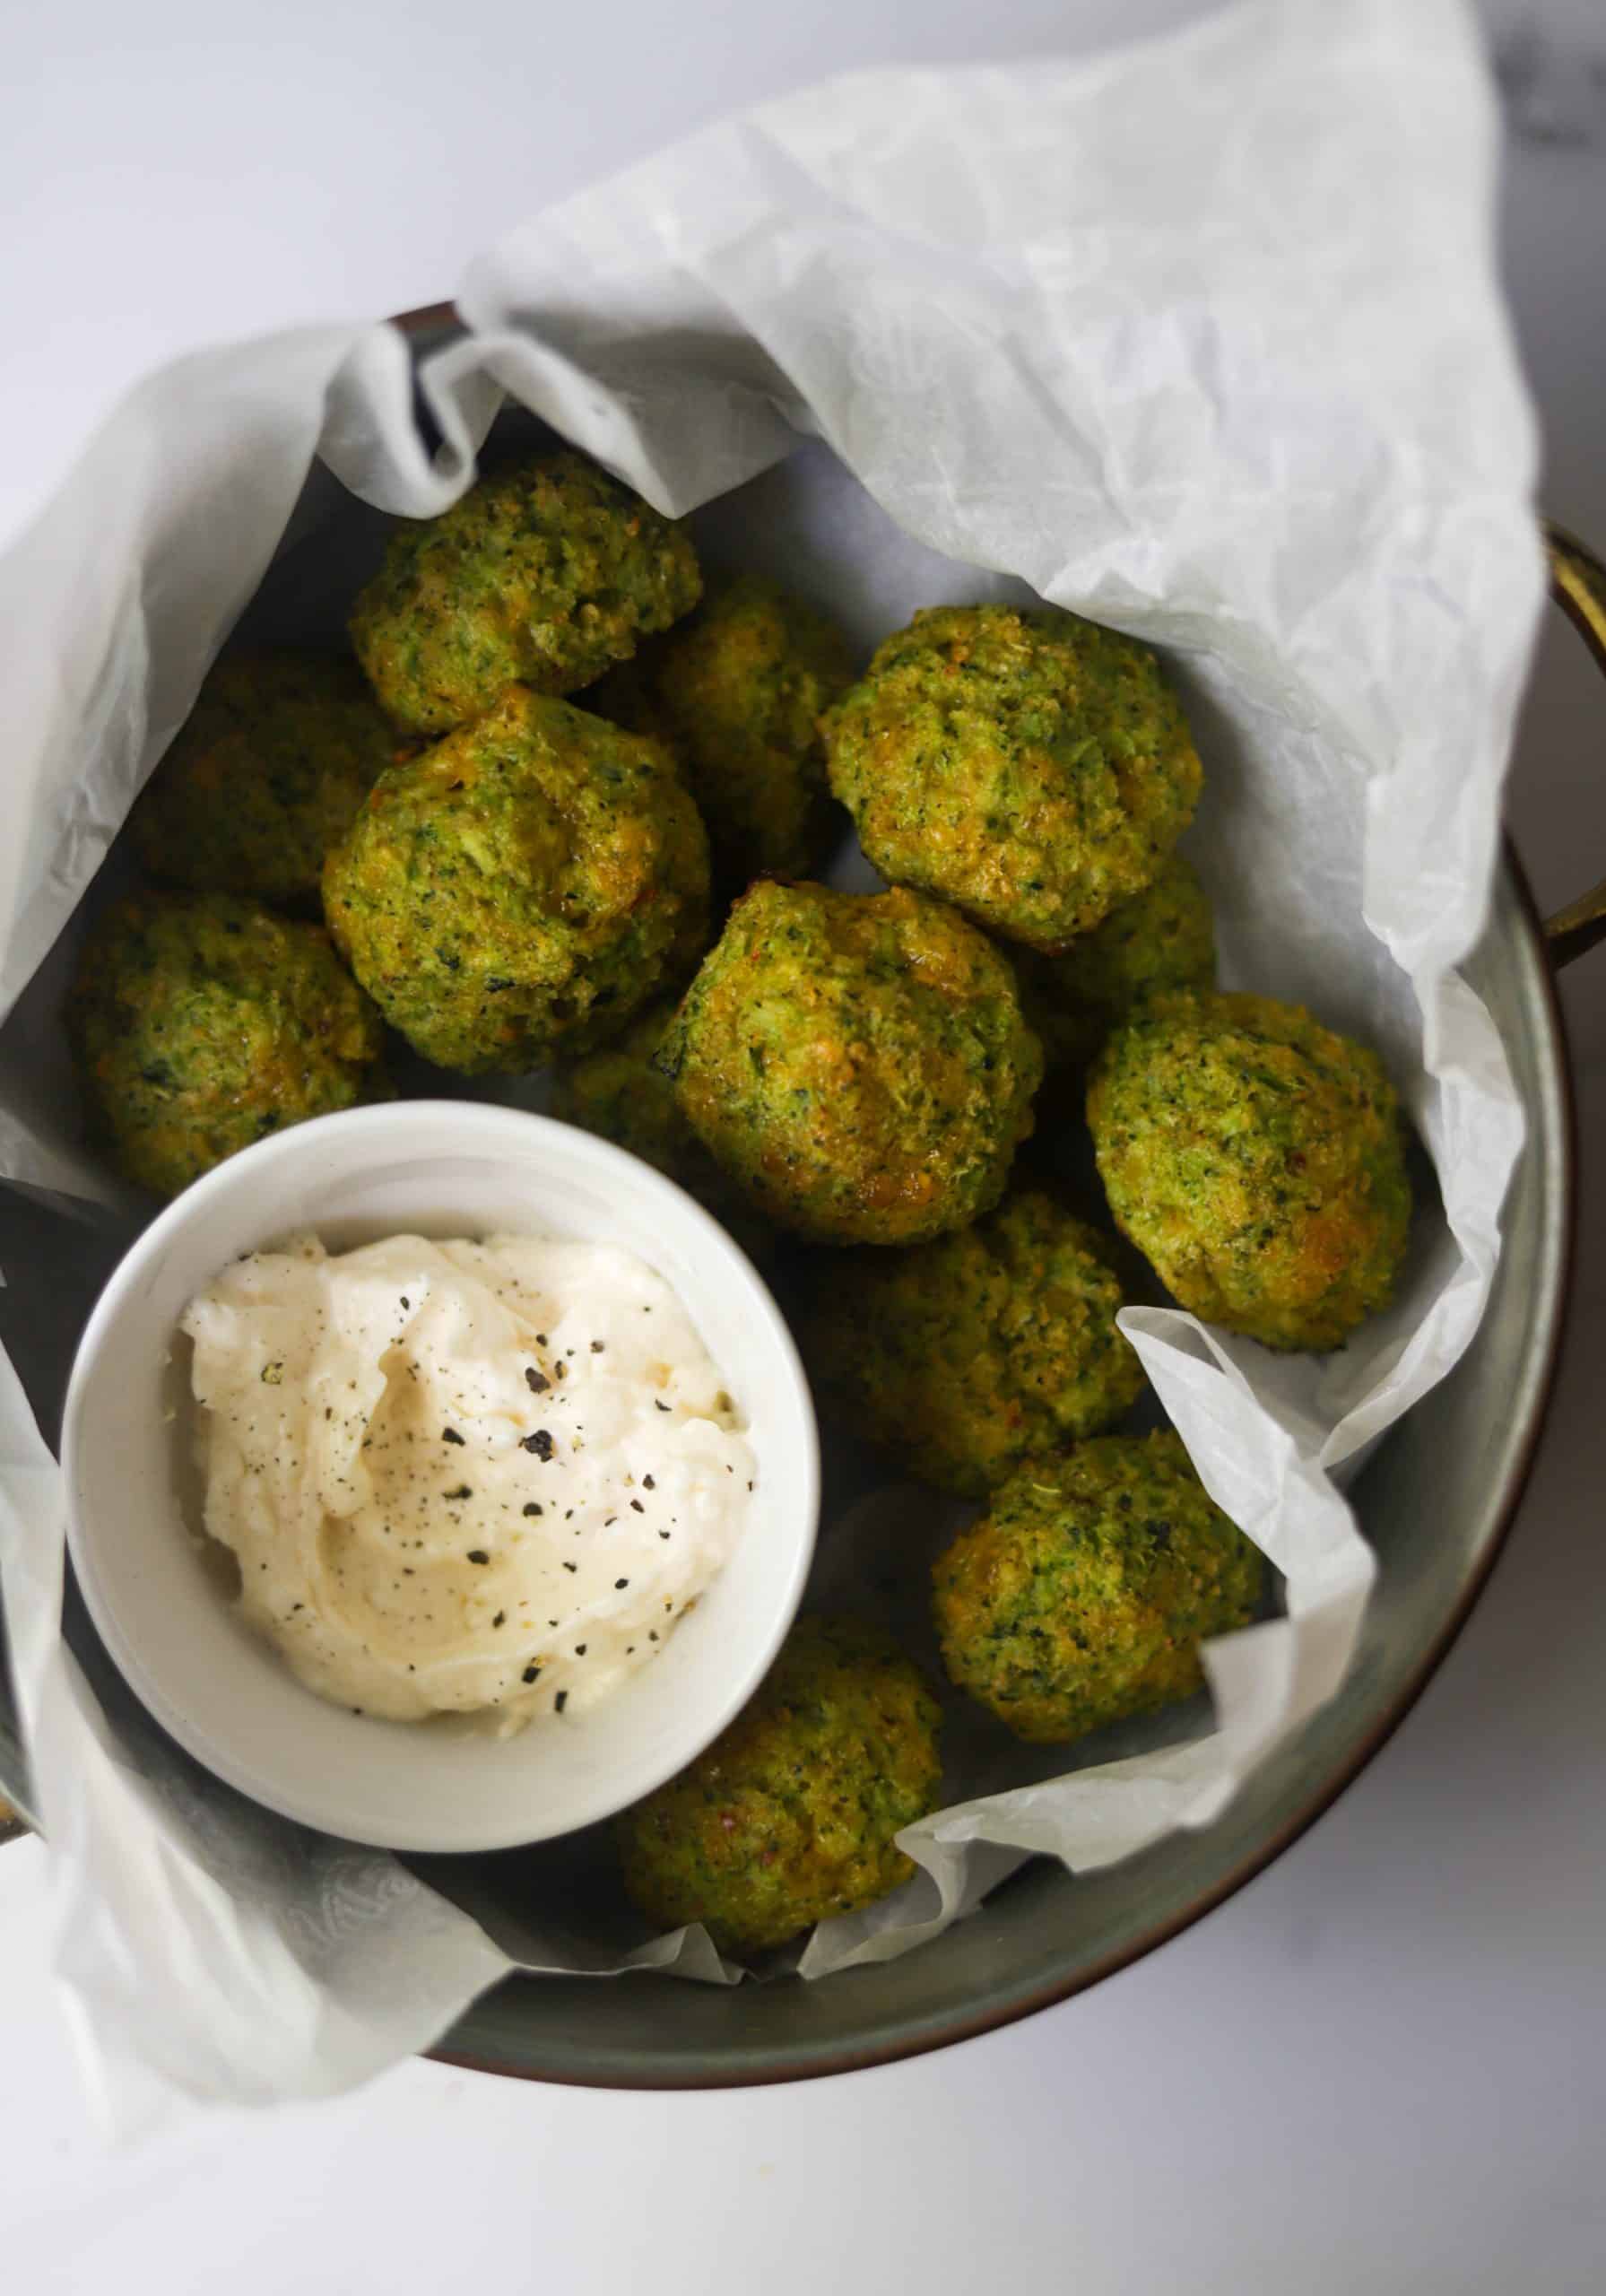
460	1477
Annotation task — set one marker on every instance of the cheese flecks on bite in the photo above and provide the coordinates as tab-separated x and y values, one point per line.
463	1476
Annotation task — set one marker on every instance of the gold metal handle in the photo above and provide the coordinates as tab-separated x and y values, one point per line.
1578	586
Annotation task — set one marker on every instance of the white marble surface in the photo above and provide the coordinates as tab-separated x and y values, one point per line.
1412	2003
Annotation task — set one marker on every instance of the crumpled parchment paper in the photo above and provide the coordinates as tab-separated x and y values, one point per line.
1201	339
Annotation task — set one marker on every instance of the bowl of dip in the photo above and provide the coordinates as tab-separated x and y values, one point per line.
440	1475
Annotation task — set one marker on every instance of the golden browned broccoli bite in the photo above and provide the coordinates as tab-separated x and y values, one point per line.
857	1063
202	1023
1257	1161
521	888
620	1092
790	1815
544	575
1163	939
965	1355
263	775
741	686
1082	1595
1030	767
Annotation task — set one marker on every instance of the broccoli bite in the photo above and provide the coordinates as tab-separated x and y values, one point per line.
740	687
857	1064
1082	1595
790	1815
201	1023
544	575
1031	767
262	777
1257	1161
522	888
966	1355
1163	939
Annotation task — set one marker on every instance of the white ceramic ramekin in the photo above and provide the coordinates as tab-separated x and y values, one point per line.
440	1168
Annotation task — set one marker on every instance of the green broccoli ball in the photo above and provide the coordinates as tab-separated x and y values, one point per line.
790	1815
263	775
742	686
1082	1596
1031	767
1257	1161
541	576
857	1063
1163	939
202	1023
966	1355
619	1092
521	888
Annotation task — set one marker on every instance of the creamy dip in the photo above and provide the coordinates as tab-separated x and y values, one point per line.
463	1476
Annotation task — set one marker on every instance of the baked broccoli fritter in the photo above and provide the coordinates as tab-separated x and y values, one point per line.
741	686
1257	1161
1163	939
522	888
966	1355
541	576
201	1023
857	1064
1082	1596
263	775
790	1815
1030	767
